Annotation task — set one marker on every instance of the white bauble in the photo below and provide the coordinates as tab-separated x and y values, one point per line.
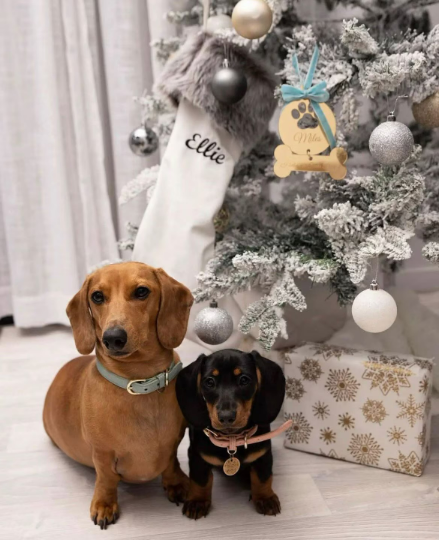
218	22
374	310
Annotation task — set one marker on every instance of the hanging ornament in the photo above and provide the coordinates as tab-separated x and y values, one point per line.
374	310
252	19
426	113
218	22
229	85
213	325
221	220
307	128
143	141
391	142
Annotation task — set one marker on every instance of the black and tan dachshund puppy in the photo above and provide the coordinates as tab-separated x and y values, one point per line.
230	392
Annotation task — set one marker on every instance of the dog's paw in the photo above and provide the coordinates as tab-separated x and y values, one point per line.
196	509
104	513
305	120
269	506
177	493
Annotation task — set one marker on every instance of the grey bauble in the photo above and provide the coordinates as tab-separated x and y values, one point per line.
143	141
391	142
213	325
229	86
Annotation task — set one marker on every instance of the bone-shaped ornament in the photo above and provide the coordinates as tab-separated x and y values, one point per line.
333	164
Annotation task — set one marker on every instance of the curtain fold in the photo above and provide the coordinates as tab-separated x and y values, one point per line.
69	71
55	220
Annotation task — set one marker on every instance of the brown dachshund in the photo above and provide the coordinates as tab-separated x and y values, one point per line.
134	315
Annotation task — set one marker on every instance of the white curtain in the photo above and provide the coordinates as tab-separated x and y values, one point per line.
69	70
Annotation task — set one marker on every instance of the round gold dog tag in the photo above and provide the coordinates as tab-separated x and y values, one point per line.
231	466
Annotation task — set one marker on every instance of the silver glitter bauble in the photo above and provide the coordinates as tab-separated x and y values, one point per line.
229	86
252	19
213	325
391	142
426	113
143	141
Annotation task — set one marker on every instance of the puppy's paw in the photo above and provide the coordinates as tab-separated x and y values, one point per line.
104	513
196	509
269	506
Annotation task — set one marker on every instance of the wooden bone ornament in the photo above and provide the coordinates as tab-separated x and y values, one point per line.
307	127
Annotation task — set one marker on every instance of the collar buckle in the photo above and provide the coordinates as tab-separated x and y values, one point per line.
130	390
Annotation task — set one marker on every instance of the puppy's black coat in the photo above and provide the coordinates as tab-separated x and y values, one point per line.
230	391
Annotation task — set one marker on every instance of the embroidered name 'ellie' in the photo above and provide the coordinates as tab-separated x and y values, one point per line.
208	149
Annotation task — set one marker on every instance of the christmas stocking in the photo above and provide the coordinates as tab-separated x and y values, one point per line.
177	231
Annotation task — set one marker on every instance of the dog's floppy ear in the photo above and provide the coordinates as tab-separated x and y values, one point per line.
81	320
175	304
271	390
189	396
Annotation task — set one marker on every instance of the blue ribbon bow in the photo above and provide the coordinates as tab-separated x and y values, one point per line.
316	94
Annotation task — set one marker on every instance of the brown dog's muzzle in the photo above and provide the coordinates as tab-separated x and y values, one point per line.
115	338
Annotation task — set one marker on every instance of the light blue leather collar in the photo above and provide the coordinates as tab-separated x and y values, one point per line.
137	387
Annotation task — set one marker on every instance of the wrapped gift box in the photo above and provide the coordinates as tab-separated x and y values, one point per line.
367	407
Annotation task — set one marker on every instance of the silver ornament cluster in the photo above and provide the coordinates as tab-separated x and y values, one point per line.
213	325
229	85
143	141
391	142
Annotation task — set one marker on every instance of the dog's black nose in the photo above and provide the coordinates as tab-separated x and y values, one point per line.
227	417
115	338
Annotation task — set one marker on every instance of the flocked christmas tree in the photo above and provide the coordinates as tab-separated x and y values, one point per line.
324	229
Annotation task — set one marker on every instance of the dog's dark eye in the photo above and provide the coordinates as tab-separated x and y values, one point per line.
98	297
244	380
209	382
141	292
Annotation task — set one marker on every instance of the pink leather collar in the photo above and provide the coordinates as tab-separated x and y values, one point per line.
231	442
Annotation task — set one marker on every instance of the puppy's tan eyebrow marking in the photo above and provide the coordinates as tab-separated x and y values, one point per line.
237	371
215	372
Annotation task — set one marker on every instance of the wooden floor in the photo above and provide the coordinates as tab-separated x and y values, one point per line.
45	495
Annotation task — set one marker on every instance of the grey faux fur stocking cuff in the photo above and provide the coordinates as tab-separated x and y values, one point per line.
190	71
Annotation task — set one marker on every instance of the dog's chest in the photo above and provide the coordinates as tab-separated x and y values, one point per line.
144	433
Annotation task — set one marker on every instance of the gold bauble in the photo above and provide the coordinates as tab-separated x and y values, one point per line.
252	19
221	220
426	113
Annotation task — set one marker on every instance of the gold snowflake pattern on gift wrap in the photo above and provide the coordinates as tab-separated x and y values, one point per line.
410	464
346	421
311	370
300	430
365	449
397	435
332	454
424	384
410	410
424	363
320	410
388	373
327	435
342	385
374	411
421	438
331	351
294	388
428	406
